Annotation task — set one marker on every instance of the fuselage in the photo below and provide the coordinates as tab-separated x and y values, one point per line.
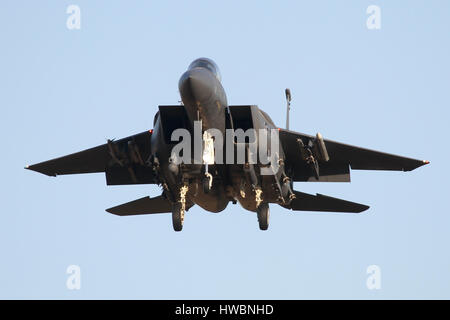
204	102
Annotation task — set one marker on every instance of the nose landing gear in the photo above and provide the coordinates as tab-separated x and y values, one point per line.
208	158
207	181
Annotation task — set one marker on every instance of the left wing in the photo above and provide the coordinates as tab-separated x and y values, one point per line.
146	205
124	161
341	158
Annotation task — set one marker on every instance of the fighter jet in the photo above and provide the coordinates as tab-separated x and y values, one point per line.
205	152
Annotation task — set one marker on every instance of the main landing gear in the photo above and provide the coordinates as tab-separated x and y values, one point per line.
263	213
177	217
179	209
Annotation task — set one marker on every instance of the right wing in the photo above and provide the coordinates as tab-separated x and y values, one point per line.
320	202
124	161
144	205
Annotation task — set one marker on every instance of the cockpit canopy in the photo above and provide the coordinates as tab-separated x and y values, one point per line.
207	64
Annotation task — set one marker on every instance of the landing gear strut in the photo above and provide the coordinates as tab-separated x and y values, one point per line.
178	210
208	158
263	216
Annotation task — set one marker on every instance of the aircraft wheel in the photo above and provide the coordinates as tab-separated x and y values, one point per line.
263	216
177	217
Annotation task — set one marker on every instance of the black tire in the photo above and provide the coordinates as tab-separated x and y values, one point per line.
263	216
177	217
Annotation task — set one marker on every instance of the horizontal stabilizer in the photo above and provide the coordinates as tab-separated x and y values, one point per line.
319	202
144	205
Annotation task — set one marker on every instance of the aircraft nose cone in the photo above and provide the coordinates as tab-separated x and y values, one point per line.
196	86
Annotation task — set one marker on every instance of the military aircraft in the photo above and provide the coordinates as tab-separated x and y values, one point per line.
149	158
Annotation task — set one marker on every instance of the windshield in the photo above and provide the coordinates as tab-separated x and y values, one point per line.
207	64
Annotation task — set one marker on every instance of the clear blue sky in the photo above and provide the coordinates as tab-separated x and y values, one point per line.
64	90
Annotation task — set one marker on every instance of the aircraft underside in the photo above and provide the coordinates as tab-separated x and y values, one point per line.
208	153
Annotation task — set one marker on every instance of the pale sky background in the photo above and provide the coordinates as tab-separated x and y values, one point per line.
63	91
